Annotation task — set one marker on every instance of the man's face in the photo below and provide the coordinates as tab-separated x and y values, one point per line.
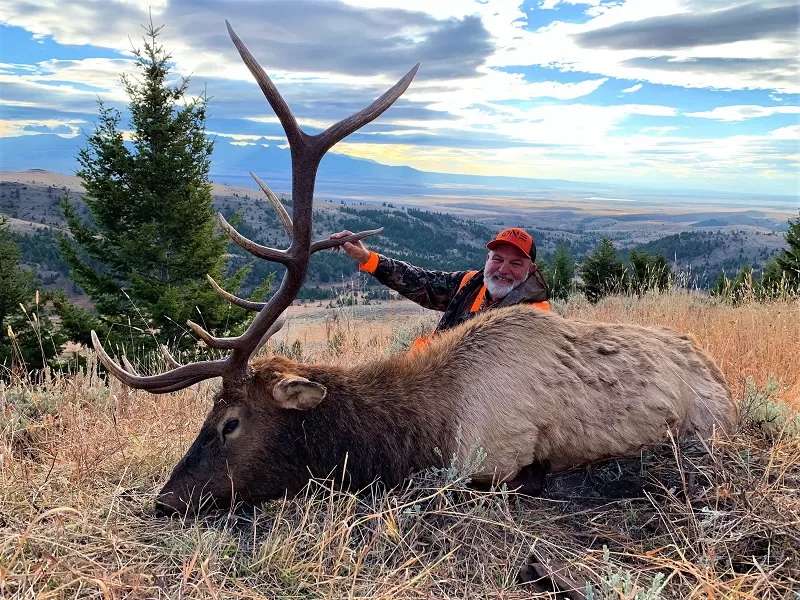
506	268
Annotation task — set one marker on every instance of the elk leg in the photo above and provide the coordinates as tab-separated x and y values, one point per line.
529	481
531	478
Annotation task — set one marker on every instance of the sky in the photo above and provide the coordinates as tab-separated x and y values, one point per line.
696	93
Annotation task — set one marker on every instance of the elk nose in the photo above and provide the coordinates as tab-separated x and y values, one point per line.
168	505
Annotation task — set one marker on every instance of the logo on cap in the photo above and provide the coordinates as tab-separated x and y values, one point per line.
514	236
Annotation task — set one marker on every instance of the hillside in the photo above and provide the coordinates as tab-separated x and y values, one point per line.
701	243
424	238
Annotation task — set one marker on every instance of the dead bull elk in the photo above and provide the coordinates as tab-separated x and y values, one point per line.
525	385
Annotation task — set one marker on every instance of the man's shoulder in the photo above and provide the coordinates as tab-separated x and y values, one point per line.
533	289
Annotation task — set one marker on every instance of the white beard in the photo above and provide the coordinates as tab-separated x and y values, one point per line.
499	287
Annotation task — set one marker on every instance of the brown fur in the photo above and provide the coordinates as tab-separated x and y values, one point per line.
524	385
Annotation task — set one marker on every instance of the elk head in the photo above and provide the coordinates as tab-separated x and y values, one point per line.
243	434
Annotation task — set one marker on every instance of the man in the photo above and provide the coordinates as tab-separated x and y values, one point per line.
508	277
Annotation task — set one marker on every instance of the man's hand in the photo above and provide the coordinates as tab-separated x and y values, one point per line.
355	250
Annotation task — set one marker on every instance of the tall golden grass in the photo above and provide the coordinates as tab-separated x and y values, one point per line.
757	340
81	460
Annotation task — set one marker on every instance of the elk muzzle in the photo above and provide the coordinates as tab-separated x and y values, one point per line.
191	485
176	499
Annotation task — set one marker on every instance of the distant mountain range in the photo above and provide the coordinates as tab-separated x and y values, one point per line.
339	174
342	176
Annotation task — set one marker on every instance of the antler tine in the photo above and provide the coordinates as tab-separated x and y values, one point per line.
276	101
128	366
272	254
345	127
220	343
273	329
174	364
323	244
240	302
284	217
252	247
232	343
170	381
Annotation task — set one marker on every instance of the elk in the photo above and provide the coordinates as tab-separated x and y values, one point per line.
528	387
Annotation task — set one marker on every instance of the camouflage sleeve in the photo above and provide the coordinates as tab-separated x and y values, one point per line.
430	289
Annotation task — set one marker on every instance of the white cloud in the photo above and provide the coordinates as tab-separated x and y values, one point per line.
245	138
496	86
659	130
65	86
440	10
554	125
75	23
792	132
765	62
633	88
743	111
723	66
101	73
33	127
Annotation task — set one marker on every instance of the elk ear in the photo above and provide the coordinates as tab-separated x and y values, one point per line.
298	393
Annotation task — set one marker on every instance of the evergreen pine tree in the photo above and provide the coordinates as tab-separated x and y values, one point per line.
602	271
647	273
544	270
789	258
151	239
15	282
561	273
28	341
737	290
773	283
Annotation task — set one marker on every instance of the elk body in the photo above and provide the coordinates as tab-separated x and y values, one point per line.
524	385
594	391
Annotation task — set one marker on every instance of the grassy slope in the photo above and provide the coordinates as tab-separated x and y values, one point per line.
81	461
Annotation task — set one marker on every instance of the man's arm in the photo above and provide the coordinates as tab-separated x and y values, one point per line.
430	289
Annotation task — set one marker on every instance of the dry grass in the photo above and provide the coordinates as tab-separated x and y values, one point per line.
752	340
81	462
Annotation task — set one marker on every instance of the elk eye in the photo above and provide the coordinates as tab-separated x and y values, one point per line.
230	426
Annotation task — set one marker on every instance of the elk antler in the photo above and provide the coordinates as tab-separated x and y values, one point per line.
306	152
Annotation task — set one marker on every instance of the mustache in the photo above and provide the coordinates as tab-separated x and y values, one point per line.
499	277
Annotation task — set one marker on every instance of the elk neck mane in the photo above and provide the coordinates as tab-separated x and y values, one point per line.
390	416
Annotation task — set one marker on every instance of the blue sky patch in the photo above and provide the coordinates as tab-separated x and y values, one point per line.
20	46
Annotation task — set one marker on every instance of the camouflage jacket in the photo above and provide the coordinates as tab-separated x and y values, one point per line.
439	290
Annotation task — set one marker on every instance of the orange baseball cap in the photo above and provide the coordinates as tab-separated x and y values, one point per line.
516	237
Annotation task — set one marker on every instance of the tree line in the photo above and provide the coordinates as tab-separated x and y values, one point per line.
147	237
